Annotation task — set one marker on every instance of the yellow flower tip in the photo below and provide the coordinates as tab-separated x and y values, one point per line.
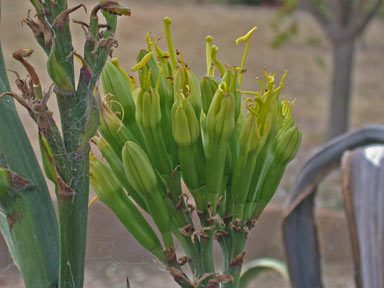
148	38
167	21
222	87
79	59
270	79
115	61
283	77
93	201
209	39
246	36
214	50
142	62
92	156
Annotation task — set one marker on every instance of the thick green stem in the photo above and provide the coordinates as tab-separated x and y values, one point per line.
225	246
234	267
192	250
73	214
207	252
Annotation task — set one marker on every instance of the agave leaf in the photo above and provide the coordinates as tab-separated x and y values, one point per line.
4	228
253	268
37	258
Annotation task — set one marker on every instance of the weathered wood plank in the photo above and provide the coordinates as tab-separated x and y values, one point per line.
363	189
299	226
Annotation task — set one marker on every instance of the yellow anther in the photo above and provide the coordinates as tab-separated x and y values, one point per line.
142	62
246	36
93	201
251	93
171	48
219	66
78	59
283	77
208	42
182	60
250	105
261	85
149	41
223	87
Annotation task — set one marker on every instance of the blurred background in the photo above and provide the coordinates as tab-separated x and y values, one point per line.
291	36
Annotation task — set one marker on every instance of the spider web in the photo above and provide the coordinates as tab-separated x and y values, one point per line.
112	257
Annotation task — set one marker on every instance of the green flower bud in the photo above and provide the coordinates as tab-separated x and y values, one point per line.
116	165
114	83
149	116
142	178
251	141
185	127
138	169
230	79
285	151
148	113
250	135
114	130
208	88
127	78
57	72
220	124
186	82
221	114
135	94
108	188
288	145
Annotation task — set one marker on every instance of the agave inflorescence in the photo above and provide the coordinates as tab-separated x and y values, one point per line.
173	128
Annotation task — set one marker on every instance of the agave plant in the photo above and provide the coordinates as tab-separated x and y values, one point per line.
50	252
164	128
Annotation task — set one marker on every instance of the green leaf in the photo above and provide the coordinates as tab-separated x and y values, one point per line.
34	237
254	268
4	228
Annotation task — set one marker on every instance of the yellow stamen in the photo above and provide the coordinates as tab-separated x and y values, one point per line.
182	60
171	48
251	93
142	62
149	41
78	59
93	201
247	38
158	80
208	42
219	66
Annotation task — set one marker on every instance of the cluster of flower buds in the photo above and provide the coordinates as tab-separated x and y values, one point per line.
230	151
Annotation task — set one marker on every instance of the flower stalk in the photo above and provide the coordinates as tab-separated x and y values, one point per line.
230	155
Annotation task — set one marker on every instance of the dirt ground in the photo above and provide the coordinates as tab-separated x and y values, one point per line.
307	82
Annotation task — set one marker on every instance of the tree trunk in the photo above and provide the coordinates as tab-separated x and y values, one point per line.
343	52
